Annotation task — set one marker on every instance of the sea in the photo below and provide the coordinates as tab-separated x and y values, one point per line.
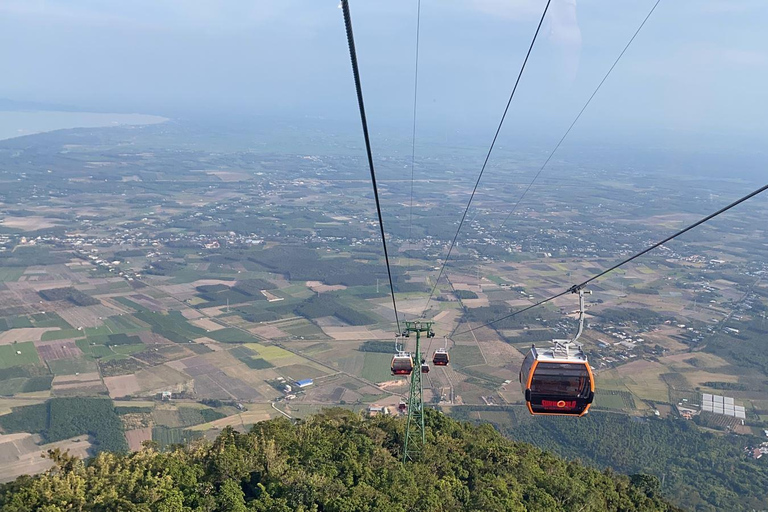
20	123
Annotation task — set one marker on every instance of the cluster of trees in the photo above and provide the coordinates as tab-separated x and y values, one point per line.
172	325
36	255
496	311
465	294
730	386
328	304
702	471
747	351
246	290
64	418
642	316
73	295
304	264
335	461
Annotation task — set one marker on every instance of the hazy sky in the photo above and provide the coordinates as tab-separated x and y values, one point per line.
699	66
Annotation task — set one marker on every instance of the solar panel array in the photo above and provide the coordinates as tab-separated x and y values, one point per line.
722	405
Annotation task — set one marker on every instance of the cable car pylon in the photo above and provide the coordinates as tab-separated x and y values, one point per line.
414	427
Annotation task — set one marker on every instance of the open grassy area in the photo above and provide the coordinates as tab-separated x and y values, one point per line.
466	355
11	273
18	354
270	353
71	366
376	367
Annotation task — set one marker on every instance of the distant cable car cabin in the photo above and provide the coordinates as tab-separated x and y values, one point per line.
402	364
441	357
424	367
559	380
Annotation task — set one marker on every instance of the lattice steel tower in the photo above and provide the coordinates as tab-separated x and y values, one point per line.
414	427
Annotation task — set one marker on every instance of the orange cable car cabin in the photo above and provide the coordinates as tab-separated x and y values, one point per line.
557	381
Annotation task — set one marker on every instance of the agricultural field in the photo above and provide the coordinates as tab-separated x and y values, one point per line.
242	282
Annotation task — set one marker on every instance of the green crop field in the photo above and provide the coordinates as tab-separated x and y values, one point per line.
10	387
466	355
11	273
231	335
18	354
165	436
606	400
62	334
376	367
71	366
49	320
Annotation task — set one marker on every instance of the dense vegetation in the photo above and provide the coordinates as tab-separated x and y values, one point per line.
643	316
465	294
303	264
327	304
334	461
746	349
64	418
702	471
73	295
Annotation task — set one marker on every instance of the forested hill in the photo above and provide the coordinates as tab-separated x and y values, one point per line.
334	461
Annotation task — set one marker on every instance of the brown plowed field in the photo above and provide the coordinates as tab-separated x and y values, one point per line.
138	436
122	385
59	349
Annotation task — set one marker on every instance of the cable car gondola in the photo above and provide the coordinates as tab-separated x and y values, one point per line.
424	367
402	364
441	357
559	380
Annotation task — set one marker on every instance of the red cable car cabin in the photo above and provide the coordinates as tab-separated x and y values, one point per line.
402	364
441	357
557	381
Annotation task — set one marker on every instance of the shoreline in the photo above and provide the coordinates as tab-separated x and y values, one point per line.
20	123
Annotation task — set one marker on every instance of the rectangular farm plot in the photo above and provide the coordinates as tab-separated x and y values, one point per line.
466	355
376	367
123	385
87	384
303	371
161	378
24	334
271	353
61	349
136	437
218	384
643	379
18	354
212	381
86	316
207	324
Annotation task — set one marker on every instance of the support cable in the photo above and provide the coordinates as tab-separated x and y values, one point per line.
487	156
364	121
575	288
552	153
413	133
